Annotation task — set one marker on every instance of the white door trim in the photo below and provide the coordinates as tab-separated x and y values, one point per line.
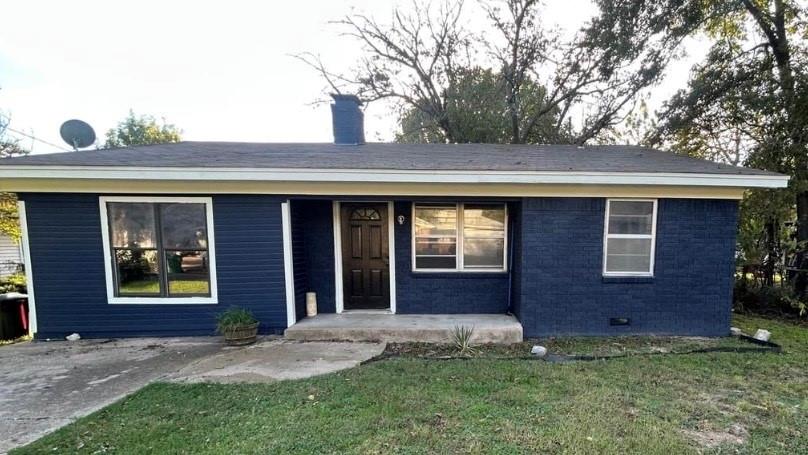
29	270
337	257
288	264
391	246
391	253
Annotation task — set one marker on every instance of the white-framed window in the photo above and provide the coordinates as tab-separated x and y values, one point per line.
629	237
467	237
159	250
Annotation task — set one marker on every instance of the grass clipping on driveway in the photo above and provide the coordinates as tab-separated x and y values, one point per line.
706	402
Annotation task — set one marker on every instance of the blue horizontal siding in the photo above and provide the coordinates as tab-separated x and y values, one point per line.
68	264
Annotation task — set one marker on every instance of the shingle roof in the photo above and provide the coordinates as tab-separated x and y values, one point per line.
389	156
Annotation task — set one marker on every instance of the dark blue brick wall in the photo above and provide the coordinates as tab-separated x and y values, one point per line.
313	221
299	262
436	293
562	290
68	266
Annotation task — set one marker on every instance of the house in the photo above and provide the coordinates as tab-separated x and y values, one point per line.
10	256
596	240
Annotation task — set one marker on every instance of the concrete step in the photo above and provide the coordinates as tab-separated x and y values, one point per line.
429	328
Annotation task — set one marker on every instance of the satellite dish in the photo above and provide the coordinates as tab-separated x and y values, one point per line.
77	134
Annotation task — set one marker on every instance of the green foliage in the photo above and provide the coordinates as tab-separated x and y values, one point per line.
663	404
477	110
13	283
747	103
234	317
461	340
141	130
765	299
513	79
9	218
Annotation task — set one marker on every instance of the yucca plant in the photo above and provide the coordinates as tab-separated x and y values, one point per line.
461	339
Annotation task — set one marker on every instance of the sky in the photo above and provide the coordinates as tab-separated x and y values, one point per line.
218	70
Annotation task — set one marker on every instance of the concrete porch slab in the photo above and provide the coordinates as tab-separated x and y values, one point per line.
430	328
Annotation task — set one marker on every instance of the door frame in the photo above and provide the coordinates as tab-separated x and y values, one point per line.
391	245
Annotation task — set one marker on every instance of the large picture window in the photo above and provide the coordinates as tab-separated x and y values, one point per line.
629	237
459	237
159	250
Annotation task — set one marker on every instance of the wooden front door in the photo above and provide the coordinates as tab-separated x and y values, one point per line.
365	256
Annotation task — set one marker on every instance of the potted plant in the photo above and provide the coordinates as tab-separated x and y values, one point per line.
238	326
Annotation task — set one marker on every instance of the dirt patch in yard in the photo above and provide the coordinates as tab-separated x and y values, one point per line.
595	347
736	434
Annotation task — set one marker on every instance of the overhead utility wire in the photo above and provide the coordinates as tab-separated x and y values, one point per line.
38	139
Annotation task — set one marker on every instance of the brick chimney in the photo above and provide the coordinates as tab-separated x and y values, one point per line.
348	120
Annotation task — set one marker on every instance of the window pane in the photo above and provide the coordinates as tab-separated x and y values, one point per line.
188	272
628	255
183	226
484	221
138	272
435	221
630	217
433	246
435	262
132	225
483	252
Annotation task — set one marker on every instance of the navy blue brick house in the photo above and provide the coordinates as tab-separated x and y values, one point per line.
156	240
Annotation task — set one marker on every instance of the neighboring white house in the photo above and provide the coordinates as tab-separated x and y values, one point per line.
10	255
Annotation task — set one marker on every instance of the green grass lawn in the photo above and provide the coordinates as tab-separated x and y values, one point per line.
679	403
174	287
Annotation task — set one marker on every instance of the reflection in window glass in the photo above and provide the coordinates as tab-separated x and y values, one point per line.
188	272
629	237
138	272
184	226
482	240
483	252
171	260
436	246
631	217
435	221
435	237
484	236
132	225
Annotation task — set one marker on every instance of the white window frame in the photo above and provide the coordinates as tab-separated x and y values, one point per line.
459	256
140	300
607	236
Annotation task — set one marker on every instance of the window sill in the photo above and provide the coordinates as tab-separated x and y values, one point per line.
162	301
628	279
458	274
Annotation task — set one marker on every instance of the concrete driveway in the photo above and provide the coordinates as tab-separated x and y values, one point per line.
46	385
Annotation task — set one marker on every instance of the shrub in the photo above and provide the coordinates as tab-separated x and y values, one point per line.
759	298
461	339
234	317
13	283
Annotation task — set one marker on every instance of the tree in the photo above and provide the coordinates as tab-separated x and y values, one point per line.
425	56
748	102
141	130
9	218
477	108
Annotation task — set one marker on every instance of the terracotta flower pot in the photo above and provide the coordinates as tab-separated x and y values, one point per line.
241	335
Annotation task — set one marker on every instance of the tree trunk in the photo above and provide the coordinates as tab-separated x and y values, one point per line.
772	253
801	262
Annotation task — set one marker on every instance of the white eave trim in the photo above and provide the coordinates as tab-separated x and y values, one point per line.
391	176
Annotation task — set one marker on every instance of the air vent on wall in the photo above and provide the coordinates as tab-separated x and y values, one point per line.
619	321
